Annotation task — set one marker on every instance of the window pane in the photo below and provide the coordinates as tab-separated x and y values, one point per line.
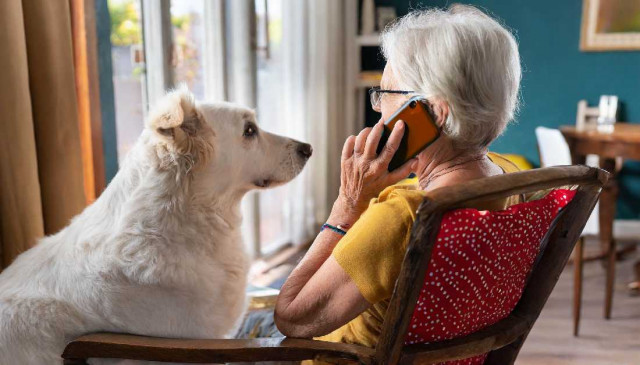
187	18
128	71
274	203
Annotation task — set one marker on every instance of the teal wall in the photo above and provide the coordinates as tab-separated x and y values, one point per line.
556	75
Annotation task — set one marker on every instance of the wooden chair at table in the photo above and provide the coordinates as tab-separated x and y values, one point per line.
554	151
586	119
502	340
586	115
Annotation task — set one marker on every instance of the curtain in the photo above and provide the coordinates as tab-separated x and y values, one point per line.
41	177
316	96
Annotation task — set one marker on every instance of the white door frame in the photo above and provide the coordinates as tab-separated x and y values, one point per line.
214	62
156	30
242	89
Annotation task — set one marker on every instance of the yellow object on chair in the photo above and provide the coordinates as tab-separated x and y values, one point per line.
518	160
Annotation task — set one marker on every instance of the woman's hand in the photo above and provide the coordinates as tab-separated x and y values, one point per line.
364	174
319	296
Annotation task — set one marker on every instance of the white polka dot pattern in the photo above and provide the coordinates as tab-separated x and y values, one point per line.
478	269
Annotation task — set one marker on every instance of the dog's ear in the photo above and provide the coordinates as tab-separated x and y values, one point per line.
175	116
179	127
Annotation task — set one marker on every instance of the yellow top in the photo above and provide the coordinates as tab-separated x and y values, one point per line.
372	251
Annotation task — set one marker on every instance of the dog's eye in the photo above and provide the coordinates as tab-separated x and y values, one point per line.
250	130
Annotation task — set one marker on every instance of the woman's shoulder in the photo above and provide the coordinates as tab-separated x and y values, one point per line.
402	198
372	251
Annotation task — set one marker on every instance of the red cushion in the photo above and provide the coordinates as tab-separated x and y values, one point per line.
478	268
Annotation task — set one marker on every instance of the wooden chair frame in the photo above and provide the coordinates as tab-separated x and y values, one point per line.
502	340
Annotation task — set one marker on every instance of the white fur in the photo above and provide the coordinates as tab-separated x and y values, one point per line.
160	252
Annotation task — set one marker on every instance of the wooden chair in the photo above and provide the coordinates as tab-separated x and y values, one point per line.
586	116
554	151
502	340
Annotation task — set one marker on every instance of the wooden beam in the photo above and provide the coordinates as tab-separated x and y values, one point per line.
88	95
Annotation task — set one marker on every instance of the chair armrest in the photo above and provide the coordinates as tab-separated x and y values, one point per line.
125	346
487	339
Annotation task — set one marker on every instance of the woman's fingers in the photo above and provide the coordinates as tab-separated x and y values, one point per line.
347	149
373	139
392	143
360	140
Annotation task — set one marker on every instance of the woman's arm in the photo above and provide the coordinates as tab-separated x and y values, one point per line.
319	296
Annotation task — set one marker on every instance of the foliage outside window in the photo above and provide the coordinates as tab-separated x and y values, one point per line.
125	23
126	32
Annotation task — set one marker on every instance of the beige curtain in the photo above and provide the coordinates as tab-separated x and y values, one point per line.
40	158
316	93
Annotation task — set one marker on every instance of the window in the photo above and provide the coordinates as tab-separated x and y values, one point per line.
273	204
187	24
160	43
127	55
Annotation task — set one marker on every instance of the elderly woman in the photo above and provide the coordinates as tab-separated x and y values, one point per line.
467	66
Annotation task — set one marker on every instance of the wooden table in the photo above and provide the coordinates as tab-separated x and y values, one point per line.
623	142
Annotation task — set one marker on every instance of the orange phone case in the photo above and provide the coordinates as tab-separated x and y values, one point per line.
420	130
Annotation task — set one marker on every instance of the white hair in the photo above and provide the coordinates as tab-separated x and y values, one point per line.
463	57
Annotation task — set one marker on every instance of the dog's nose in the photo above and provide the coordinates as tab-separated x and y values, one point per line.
305	150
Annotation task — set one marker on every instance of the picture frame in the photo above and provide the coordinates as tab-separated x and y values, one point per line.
610	25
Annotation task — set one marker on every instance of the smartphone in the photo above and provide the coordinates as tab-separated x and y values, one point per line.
420	130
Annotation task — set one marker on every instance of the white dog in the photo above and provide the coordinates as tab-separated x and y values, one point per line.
160	252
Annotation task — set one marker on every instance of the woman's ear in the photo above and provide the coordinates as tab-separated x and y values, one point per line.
441	110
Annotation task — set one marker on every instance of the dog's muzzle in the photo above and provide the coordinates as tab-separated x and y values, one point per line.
304	150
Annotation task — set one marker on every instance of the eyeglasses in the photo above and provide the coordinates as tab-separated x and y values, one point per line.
375	94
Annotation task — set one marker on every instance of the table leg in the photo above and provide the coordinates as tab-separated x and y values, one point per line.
577	158
634	287
607	214
577	284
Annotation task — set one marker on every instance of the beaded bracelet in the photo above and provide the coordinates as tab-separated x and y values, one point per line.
337	229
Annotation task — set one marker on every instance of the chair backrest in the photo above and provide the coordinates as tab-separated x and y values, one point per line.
478	268
554	151
482	334
586	115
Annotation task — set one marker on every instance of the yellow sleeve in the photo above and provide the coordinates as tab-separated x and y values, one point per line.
372	251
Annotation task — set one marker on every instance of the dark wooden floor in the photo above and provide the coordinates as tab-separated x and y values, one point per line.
615	341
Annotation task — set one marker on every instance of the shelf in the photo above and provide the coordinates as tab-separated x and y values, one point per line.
369	40
369	78
367	83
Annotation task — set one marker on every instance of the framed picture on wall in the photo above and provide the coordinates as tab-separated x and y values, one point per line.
610	25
